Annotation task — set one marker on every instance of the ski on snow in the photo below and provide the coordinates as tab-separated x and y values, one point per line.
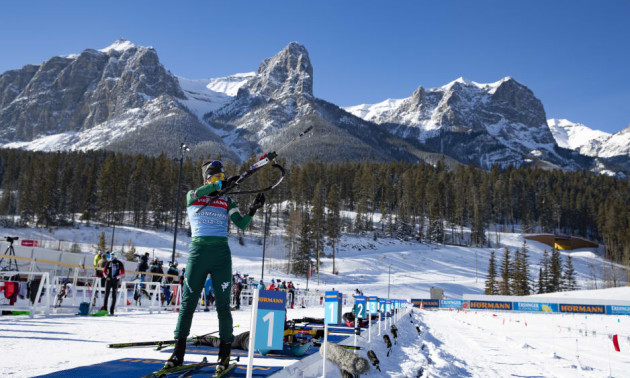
185	368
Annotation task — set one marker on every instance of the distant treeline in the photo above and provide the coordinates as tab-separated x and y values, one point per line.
48	189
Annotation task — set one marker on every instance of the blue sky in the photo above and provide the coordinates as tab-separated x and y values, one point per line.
574	55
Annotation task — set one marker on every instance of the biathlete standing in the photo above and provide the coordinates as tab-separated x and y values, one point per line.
210	254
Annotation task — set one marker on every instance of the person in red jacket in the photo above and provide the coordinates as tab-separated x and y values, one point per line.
114	269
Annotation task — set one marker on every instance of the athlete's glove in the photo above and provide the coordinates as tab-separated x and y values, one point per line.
230	182
258	203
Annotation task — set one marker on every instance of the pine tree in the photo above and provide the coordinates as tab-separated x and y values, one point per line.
524	270
302	259
541	283
102	244
138	200
131	254
89	207
434	193
569	282
491	281
160	194
318	228
544	277
504	285
555	272
28	192
517	269
333	222
292	229
478	229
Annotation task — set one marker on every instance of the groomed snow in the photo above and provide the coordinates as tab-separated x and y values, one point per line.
455	344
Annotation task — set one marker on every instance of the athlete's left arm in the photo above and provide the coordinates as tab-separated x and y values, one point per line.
241	221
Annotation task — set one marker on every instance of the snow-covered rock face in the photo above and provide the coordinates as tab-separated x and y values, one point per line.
589	142
617	145
504	119
93	89
288	73
577	137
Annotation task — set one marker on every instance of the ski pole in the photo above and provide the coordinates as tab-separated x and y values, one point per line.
156	342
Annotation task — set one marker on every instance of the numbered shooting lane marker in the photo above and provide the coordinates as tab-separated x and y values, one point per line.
372	305
332	315
270	320
381	305
360	306
332	307
266	324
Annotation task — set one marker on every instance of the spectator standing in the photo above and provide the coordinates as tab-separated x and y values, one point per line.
291	290
143	265
101	265
272	285
156	268
261	285
112	272
172	270
97	259
238	287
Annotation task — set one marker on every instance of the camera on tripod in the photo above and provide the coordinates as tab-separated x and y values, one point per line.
11	239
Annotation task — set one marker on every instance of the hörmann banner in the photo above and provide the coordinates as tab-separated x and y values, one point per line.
426	303
535	307
490	305
583	309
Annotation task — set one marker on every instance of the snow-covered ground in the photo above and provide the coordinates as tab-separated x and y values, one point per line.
452	343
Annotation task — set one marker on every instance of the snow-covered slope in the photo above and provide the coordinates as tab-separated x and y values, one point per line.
576	136
207	95
589	142
451	343
617	145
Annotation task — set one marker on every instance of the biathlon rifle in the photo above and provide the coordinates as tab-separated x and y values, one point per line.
262	161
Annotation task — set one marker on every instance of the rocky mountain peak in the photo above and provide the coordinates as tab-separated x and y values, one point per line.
120	45
418	95
288	73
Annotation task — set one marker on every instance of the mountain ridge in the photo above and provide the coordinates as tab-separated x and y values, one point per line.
122	97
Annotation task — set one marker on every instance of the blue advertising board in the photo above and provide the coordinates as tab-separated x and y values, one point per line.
332	307
360	306
453	303
372	305
270	320
535	307
617	310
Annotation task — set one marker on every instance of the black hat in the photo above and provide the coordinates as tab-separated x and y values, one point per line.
211	167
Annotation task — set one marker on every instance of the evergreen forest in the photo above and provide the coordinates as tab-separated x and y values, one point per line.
464	205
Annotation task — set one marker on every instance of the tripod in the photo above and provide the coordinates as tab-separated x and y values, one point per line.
10	252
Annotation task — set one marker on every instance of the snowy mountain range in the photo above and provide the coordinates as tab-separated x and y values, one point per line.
589	142
122	98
